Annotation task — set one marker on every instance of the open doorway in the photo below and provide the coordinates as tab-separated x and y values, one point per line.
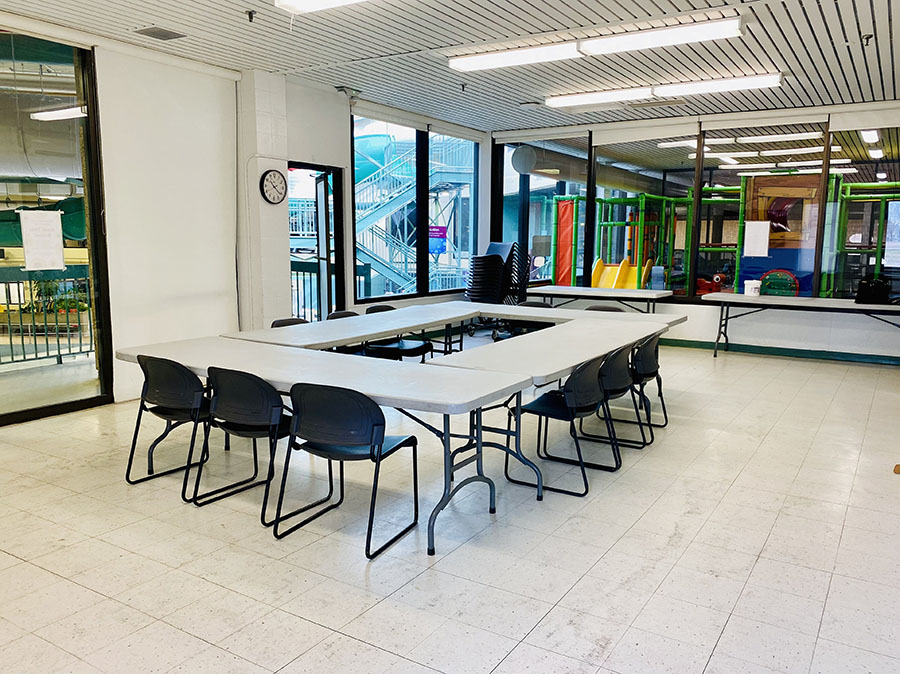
316	212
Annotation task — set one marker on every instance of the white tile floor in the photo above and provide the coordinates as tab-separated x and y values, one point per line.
758	535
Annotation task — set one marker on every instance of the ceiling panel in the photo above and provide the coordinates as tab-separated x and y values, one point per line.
394	51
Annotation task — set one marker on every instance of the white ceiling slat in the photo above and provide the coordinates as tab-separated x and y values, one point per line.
395	51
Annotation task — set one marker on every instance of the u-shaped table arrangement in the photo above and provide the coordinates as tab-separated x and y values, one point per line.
465	382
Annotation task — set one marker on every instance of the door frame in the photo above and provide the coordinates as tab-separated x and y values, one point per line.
96	221
337	195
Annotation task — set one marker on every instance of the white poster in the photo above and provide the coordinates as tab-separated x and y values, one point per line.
756	238
42	240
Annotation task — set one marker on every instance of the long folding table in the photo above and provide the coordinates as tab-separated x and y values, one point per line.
626	296
757	303
405	386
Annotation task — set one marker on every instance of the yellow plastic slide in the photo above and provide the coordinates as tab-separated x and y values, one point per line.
623	275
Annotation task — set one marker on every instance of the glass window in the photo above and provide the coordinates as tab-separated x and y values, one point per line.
862	221
452	210
643	214
760	209
384	164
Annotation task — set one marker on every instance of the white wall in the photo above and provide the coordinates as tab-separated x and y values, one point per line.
168	137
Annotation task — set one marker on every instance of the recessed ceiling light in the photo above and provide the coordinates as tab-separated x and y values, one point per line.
63	113
798	150
719	85
870	136
515	57
780	137
685	33
876	152
599	97
743	167
307	6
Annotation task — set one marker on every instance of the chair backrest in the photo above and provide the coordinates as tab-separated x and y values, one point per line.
243	398
378	308
285	322
582	388
645	358
336	416
615	373
169	384
536	303
340	314
603	307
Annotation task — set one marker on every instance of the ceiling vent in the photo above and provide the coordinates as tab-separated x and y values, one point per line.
158	33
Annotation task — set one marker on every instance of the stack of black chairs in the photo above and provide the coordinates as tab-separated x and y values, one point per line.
500	276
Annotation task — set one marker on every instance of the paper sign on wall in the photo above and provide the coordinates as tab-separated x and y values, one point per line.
42	240
756	238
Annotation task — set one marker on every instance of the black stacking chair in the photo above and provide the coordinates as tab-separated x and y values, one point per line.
334	315
338	424
581	396
644	369
603	307
616	381
353	349
245	406
285	322
517	327
177	396
396	348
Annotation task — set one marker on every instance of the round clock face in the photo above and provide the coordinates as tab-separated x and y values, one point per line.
273	186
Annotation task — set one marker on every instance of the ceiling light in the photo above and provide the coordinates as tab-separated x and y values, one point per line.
307	6
722	155
812	162
729	160
848	169
876	152
599	97
870	136
743	167
798	150
779	137
685	33
692	142
756	173
718	85
881	175
64	113
515	57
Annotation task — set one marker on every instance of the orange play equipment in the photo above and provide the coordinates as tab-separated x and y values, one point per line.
622	275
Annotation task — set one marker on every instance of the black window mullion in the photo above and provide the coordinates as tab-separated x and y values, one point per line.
496	222
422	195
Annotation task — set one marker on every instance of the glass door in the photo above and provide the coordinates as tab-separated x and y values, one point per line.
54	334
315	206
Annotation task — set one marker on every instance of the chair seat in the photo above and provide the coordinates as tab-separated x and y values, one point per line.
254	431
178	413
399	348
358	452
553	405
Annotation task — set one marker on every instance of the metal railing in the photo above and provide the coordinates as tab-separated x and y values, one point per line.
305	287
45	314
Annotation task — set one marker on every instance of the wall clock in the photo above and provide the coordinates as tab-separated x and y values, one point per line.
273	186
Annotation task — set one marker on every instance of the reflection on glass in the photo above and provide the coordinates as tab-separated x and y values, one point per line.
862	226
307	188
452	211
384	162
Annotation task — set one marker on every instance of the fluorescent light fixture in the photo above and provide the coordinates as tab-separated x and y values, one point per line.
723	155
692	142
64	113
812	162
798	150
881	175
515	57
847	169
876	152
307	6
870	136
599	97
744	167
781	137
718	85
729	160
685	33
756	173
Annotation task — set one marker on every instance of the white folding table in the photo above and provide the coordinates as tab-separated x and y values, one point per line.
405	386
620	295
757	303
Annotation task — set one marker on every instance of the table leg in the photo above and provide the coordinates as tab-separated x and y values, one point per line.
539	478
719	329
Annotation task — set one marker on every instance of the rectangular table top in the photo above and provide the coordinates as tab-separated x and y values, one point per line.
804	303
410	386
549	354
555	315
599	293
